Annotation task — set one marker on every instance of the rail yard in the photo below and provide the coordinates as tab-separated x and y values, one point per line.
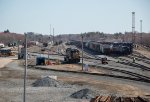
74	51
52	75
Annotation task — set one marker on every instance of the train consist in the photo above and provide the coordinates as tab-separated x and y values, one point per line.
118	48
110	47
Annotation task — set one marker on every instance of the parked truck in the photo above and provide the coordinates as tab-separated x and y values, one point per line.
72	56
5	52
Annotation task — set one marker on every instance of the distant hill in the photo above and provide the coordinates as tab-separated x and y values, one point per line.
100	36
7	37
10	37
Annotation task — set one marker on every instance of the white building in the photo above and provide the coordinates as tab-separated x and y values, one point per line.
2	45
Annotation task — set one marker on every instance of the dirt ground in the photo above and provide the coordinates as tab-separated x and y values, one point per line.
4	61
11	84
143	51
74	67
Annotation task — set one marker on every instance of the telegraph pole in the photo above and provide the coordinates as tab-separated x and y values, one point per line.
25	70
141	30
133	27
50	29
48	44
82	51
18	50
50	32
53	35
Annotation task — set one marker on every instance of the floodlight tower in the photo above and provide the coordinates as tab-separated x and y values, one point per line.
133	27
82	50
48	44
141	30
53	35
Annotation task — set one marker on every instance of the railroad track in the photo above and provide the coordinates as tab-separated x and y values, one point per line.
93	57
134	64
135	75
139	59
139	54
142	77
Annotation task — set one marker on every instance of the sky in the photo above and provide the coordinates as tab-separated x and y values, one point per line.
73	16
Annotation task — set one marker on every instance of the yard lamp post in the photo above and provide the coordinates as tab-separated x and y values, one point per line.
25	70
141	30
82	50
49	44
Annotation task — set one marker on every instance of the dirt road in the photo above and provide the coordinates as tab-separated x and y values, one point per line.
5	60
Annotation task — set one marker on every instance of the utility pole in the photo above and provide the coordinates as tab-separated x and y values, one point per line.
18	50
48	44
53	35
50	32
82	51
133	27
141	31
25	70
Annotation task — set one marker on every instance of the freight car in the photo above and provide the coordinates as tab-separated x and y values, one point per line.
110	47
95	46
102	47
105	47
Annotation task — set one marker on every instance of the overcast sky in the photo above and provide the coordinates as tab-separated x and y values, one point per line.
73	16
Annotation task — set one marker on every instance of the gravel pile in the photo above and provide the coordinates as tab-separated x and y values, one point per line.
49	82
84	94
